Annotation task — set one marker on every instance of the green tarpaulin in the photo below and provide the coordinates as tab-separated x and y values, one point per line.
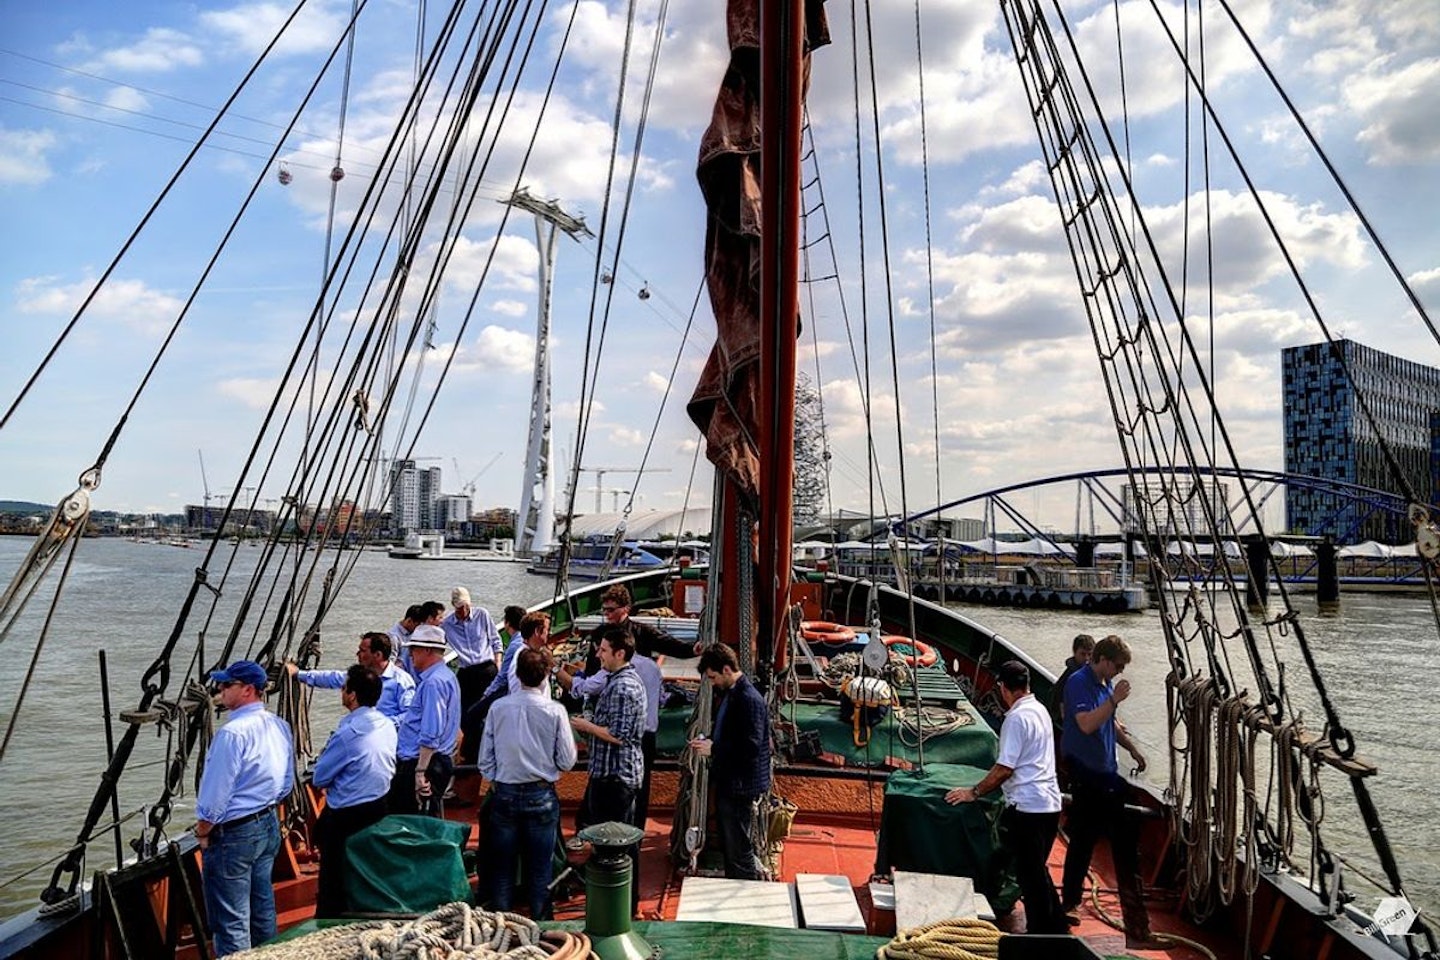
919	831
974	744
406	864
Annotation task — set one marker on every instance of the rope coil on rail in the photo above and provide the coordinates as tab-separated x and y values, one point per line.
955	939
454	931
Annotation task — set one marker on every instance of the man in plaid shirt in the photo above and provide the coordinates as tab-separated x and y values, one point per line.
617	763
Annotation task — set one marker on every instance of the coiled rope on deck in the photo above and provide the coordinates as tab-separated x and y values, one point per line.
955	939
455	931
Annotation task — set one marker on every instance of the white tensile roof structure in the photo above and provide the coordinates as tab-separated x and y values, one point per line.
643	524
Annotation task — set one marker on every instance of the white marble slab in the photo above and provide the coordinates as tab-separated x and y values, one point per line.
756	902
922	898
882	896
827	902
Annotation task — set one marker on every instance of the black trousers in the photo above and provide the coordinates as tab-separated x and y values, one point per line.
402	798
473	680
612	799
1029	837
1097	809
642	796
334	827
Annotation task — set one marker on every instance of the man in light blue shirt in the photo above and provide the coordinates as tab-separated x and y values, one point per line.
355	769
527	745
429	730
248	770
472	635
373	653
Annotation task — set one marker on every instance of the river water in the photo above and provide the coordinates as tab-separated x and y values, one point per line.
1378	655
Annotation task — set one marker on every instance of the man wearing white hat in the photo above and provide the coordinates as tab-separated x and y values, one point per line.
472	635
429	729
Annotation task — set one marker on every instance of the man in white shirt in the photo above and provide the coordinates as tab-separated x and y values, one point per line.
1025	772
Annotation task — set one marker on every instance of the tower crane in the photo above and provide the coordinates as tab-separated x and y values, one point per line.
600	478
468	487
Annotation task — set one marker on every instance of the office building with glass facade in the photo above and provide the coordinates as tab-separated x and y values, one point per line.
1330	434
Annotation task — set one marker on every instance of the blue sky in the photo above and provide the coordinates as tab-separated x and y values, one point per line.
99	102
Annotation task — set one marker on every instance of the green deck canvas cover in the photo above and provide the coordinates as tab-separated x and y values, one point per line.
406	864
919	831
974	744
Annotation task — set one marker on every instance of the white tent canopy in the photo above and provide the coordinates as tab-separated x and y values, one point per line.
642	524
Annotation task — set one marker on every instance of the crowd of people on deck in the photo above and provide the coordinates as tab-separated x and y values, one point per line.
442	688
412	714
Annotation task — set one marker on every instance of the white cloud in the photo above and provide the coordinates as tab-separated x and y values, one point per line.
251	26
254	393
656	382
127	98
131	302
24	156
627	437
160	50
1398	108
499	350
510	308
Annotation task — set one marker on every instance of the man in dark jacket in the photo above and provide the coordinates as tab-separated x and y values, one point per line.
739	758
649	641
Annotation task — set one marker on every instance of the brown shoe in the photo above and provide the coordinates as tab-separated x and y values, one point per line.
1142	941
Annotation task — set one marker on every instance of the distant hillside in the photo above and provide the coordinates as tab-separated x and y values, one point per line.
24	506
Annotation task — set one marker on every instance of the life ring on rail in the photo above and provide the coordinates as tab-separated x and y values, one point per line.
824	631
923	654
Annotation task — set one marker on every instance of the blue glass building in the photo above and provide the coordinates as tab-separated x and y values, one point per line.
1328	435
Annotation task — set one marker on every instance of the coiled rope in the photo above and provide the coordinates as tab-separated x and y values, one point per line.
455	931
944	940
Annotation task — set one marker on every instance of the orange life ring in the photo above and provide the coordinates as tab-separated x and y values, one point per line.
923	654
826	632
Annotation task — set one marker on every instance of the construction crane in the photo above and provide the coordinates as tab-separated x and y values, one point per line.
468	487
600	478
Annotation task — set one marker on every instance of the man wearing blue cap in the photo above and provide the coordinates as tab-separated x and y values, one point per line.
248	770
429	730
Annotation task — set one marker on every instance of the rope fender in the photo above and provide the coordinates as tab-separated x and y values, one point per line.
945	940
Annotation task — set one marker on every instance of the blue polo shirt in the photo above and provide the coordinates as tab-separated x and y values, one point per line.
1095	752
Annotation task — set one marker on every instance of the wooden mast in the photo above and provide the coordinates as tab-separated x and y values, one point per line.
782	72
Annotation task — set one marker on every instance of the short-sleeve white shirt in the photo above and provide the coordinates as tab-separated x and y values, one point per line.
1027	746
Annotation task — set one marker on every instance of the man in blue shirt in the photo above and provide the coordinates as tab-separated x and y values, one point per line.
397	687
248	770
739	758
527	745
355	769
1097	789
429	730
472	635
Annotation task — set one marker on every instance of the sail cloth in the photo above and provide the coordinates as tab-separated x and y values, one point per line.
725	404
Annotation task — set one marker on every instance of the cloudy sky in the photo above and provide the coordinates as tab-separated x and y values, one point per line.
101	102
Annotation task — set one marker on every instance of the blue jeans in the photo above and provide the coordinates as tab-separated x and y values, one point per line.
523	823
239	898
